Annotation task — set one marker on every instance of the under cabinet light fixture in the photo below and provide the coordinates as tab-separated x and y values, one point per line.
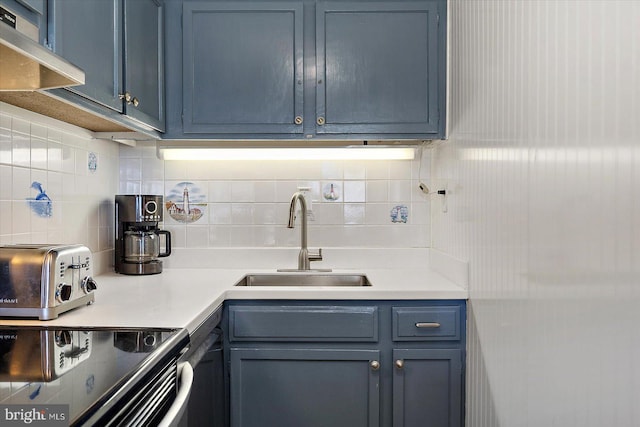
285	153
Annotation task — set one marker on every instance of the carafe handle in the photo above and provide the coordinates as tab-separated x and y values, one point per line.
167	245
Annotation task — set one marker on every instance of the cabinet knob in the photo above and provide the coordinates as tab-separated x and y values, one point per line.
320	121
298	120
135	102
375	365
399	363
126	96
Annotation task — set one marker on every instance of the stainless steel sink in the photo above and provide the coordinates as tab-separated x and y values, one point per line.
304	279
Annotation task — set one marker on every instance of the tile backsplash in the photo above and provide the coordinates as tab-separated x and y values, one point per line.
56	184
371	203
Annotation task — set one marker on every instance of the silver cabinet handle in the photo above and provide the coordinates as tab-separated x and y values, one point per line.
399	363
375	365
427	325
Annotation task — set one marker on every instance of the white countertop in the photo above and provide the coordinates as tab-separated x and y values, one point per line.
184	297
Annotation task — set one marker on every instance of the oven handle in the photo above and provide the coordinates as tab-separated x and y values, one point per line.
173	416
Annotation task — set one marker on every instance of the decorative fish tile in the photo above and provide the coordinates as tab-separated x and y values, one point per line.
41	205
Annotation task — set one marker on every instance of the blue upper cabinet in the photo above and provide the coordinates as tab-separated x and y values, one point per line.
242	68
119	45
377	68
88	34
305	69
144	61
34	5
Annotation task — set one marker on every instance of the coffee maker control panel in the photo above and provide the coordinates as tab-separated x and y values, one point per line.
151	212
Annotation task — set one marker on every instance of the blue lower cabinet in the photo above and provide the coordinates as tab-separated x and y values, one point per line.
345	363
304	387
427	387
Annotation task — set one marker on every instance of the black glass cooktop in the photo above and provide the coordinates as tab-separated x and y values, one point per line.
79	369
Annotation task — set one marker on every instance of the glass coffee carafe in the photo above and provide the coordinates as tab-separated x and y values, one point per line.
144	246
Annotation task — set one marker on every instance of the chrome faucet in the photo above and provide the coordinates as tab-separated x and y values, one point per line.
304	256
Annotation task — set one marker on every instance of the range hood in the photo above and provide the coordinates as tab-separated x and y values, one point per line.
27	66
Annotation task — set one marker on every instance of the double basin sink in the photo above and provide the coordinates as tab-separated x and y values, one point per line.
304	279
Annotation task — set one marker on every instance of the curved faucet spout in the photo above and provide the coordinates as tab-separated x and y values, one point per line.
304	257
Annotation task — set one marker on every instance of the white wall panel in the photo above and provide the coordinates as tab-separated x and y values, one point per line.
543	168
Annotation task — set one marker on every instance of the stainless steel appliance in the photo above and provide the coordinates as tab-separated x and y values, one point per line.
44	280
138	244
25	64
104	385
42	355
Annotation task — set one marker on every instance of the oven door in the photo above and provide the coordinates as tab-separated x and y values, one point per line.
175	414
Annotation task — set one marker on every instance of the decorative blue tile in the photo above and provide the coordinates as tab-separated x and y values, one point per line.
41	205
399	213
186	202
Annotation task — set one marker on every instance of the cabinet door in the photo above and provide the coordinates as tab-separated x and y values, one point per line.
304	387
427	388
377	67
87	33
144	63
206	401
242	67
35	5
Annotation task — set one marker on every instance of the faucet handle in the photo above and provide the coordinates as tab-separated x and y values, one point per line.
315	256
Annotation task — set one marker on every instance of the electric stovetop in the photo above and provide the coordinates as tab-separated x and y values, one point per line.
69	375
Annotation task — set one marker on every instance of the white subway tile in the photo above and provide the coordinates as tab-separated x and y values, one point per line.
54	156
400	191
377	191
39	153
242	191
20	126
6	217
354	213
21	149
354	191
22	184
197	236
219	236
242	213
265	192
6	182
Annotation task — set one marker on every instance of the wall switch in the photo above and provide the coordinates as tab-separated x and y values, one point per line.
445	207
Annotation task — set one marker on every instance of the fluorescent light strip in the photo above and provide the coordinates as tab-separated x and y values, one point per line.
329	153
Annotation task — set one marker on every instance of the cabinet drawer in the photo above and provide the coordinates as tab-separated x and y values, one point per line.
303	323
426	323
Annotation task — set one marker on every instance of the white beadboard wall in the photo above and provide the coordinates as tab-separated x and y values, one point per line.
247	202
55	154
543	171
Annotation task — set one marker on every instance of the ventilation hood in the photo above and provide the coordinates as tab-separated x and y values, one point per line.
27	66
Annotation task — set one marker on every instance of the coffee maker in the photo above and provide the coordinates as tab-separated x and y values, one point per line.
138	236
